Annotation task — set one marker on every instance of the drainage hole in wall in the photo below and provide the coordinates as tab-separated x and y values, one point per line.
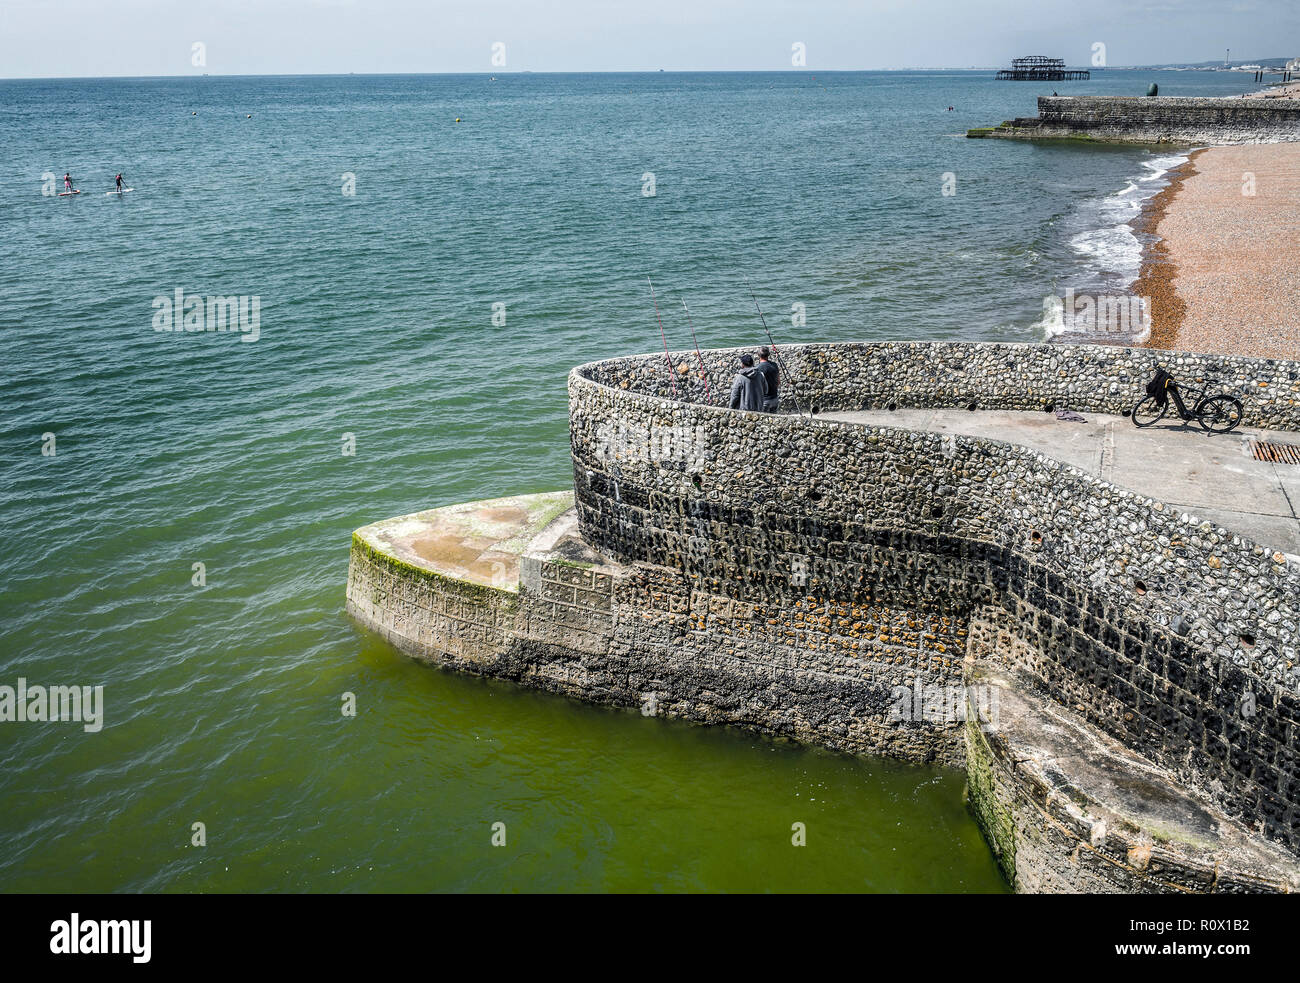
1247	640
1139	587
972	407
697	481
816	409
1037	537
814	495
891	407
936	511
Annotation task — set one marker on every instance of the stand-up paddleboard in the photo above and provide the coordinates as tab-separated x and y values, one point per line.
122	192
68	194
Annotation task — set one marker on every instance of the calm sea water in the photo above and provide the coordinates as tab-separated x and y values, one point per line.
222	701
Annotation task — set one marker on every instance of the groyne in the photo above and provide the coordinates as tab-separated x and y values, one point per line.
937	597
1154	120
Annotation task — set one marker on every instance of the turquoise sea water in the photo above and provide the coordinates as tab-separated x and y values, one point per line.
222	701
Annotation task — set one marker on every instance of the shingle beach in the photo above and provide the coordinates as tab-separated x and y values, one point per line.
1224	275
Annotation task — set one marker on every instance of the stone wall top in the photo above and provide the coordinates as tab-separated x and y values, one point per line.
885	375
1282	109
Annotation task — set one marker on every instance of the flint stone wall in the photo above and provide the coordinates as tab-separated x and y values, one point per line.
1159	119
916	549
664	642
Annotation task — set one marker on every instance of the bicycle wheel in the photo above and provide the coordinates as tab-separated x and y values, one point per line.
1148	411
1219	414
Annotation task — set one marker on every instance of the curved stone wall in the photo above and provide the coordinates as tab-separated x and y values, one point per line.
1101	378
894	555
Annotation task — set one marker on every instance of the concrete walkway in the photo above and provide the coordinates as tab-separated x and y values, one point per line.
1214	477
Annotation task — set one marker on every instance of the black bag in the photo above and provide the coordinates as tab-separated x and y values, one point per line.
1159	382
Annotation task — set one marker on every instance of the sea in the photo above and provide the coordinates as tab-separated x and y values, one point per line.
414	264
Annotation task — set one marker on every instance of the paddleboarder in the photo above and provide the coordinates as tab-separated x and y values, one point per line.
119	184
67	182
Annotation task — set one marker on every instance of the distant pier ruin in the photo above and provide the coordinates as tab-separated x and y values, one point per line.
1040	68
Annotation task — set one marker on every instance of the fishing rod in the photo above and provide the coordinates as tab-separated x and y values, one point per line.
794	390
672	374
708	392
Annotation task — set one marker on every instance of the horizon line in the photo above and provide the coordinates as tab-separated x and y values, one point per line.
598	71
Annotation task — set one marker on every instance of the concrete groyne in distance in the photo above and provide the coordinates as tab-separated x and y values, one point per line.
1154	120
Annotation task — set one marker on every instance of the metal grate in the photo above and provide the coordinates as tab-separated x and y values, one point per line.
1265	450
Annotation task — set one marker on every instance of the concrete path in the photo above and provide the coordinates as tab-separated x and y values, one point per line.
1213	477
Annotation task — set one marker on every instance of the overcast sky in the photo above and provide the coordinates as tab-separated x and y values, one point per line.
57	38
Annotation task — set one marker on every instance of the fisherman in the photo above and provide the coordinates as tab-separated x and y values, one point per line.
772	379
748	389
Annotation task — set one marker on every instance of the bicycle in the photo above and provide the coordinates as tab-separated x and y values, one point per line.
1219	413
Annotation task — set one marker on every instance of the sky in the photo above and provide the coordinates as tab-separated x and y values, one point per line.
97	38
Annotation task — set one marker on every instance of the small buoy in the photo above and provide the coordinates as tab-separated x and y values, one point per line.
457	119
194	114
249	116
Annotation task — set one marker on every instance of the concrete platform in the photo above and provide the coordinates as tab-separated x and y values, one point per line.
1211	476
1077	807
476	542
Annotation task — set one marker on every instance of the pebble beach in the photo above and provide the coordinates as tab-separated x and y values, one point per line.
1222	274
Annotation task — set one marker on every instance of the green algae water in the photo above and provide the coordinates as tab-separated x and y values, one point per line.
404	797
177	506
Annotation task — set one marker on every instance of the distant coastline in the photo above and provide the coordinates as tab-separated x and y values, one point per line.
506	73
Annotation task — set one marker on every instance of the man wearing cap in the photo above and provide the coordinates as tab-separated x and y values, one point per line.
771	376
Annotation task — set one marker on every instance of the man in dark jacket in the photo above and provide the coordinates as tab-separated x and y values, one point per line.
772	376
748	389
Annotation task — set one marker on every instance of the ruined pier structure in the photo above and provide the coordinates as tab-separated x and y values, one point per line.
1129	672
1040	68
